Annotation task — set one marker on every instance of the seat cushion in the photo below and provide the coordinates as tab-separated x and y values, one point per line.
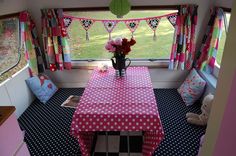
42	87
192	88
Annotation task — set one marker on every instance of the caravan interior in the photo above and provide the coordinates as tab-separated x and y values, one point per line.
117	77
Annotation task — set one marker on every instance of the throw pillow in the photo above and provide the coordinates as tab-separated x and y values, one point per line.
192	88
42	87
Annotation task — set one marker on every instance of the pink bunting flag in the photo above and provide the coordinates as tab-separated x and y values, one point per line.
153	24
109	26
132	25
172	19
87	24
67	21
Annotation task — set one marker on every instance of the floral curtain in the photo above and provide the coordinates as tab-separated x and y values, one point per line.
30	44
55	42
206	57
183	48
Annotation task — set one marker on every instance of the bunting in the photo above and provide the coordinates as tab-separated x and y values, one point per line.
87	24
109	26
132	26
153	24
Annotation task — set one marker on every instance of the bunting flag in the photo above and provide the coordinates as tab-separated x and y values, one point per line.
109	26
87	24
132	26
172	19
153	23
67	21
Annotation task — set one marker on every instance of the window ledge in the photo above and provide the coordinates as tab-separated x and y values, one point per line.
211	79
150	64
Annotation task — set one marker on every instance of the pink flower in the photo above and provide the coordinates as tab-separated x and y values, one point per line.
110	48
118	41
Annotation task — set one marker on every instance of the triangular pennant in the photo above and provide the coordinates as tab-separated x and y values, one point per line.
153	23
172	19
132	25
67	21
109	26
87	24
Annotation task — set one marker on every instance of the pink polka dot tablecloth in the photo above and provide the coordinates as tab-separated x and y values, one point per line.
118	104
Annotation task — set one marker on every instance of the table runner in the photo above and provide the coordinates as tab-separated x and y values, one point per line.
118	104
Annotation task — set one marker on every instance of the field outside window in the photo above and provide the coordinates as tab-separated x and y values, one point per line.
145	48
10	61
222	41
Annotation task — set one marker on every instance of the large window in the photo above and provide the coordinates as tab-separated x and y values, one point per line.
145	48
222	40
10	59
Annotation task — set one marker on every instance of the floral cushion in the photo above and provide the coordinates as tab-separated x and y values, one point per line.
42	87
192	88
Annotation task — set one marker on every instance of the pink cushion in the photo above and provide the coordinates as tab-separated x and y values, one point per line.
192	88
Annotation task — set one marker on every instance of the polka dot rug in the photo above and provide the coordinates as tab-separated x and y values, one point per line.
47	128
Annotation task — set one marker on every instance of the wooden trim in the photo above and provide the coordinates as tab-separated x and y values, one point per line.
226	9
5	113
159	7
10	15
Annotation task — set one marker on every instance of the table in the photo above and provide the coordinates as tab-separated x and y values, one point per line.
110	103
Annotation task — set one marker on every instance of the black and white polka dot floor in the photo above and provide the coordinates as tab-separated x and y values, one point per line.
47	128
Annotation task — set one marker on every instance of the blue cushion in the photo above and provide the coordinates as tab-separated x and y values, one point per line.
192	88
42	87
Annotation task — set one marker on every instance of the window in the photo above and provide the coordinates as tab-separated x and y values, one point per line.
145	47
222	40
9	47
9	43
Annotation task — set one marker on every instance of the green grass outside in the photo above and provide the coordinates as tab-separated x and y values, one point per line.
222	42
144	48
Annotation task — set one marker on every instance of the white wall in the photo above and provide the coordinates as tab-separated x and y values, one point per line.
12	6
14	92
224	3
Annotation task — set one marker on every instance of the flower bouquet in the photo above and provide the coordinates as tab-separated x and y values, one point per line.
120	47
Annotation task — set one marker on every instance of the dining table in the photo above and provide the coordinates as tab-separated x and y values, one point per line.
111	103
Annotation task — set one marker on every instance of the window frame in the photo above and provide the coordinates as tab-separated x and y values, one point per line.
13	15
217	66
84	63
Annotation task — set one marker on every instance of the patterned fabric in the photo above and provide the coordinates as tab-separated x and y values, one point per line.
153	23
55	41
132	26
207	55
109	26
172	19
183	48
47	128
42	87
67	21
87	24
108	80
124	108
192	88
30	43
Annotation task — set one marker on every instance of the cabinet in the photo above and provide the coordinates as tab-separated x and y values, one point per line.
11	137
